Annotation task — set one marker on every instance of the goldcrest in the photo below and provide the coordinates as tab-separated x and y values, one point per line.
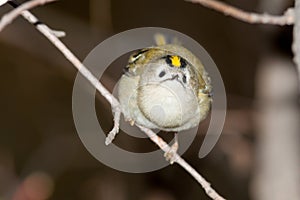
165	87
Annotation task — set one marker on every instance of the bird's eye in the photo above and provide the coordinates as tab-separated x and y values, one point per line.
161	74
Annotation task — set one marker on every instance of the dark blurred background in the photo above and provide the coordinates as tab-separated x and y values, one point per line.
42	157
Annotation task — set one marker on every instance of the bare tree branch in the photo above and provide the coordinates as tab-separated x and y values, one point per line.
253	18
8	18
166	148
48	33
2	2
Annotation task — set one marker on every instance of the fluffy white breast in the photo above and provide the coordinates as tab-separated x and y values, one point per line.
168	105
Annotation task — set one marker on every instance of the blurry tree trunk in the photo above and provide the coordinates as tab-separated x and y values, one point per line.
277	174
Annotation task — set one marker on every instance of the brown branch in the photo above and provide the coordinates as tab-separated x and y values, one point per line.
253	18
166	148
8	18
48	33
2	2
52	36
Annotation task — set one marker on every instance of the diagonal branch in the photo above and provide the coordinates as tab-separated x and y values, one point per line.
287	18
52	37
8	18
180	161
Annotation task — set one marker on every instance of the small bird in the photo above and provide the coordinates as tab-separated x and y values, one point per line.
165	87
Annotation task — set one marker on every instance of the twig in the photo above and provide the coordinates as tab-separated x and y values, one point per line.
166	148
2	2
287	18
48	33
8	18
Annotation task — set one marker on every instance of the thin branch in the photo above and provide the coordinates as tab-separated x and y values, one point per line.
166	148
2	2
48	33
287	18
8	18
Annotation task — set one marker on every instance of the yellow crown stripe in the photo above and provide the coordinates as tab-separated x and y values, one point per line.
176	62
